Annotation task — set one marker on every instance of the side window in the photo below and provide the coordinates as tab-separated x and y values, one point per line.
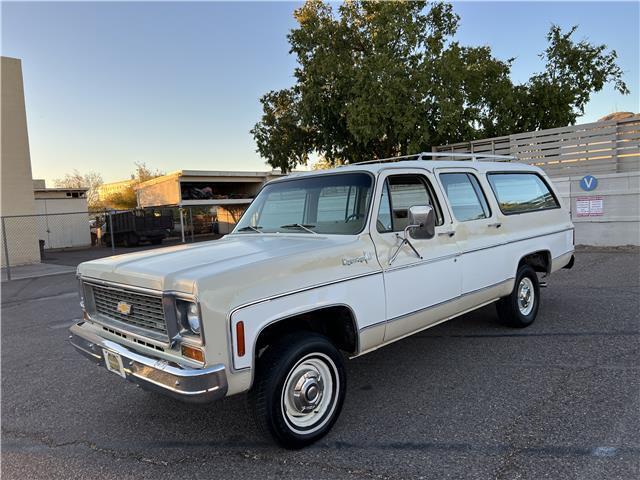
521	192
465	196
399	193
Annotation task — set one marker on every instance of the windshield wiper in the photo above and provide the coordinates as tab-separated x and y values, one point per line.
249	227
301	226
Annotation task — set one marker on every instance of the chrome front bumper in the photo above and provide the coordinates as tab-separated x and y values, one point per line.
195	385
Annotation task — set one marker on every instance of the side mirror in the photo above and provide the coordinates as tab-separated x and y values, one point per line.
422	221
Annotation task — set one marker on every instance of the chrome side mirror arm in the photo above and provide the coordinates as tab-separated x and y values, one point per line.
405	241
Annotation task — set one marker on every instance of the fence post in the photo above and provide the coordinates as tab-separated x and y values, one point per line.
191	222
113	243
182	223
6	250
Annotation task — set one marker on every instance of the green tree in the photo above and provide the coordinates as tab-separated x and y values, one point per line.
378	79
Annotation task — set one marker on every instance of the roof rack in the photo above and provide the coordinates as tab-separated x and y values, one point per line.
474	157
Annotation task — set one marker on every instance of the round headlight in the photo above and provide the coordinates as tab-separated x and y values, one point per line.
193	318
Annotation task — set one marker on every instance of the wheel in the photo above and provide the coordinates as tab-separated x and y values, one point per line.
131	240
521	307
298	389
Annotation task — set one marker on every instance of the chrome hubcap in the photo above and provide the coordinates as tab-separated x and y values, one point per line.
310	392
307	392
526	296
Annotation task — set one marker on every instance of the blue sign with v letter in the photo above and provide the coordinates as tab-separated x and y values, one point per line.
588	183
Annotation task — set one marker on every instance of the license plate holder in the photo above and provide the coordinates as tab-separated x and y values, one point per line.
113	362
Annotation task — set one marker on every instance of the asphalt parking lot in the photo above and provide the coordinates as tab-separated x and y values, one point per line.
466	399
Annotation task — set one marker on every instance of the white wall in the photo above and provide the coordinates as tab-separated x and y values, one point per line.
63	231
620	222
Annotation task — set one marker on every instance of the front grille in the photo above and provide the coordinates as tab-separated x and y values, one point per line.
146	311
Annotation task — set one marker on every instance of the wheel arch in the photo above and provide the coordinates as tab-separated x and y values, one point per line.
539	260
336	321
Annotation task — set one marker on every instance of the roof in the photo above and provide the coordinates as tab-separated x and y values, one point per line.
207	173
61	189
429	165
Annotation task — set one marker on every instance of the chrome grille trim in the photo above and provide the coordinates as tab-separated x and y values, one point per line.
147	310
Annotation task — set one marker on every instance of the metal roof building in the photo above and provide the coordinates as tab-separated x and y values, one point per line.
185	188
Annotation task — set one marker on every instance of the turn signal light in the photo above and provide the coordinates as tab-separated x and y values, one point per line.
240	338
193	353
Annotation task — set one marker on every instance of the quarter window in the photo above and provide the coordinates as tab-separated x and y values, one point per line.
399	193
521	192
465	196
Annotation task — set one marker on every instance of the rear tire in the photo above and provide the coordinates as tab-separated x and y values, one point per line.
298	390
520	308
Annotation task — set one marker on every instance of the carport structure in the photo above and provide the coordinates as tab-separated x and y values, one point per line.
226	192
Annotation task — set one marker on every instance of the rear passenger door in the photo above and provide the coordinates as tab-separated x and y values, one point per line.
478	230
413	284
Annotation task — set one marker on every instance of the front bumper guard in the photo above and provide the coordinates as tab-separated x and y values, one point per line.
194	385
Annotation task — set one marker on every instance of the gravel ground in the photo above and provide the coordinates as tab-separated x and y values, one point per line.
466	399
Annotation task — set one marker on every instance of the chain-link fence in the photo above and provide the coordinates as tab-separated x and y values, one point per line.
29	239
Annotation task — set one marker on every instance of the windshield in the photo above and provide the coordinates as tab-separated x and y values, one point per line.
329	204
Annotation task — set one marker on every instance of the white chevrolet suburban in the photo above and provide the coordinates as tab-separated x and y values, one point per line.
323	265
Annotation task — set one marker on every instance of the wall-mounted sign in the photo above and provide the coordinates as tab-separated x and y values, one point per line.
589	206
588	183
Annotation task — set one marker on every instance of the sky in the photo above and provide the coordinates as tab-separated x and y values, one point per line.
177	85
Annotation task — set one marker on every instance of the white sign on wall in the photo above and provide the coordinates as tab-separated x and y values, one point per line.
590	206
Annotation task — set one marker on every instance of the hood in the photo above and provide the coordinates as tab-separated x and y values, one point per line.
178	268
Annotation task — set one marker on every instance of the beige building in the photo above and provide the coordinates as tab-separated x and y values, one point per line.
17	196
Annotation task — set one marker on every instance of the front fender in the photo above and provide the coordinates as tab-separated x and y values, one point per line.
364	296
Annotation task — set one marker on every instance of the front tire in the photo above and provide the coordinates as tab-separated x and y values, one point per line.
298	390
520	308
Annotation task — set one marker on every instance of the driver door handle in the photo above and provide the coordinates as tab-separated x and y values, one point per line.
449	233
496	225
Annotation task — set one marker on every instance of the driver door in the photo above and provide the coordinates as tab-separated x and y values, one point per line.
418	290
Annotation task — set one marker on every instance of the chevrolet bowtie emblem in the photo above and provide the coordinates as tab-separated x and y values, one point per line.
124	308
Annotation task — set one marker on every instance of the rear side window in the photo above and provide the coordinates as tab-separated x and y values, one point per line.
465	196
521	192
